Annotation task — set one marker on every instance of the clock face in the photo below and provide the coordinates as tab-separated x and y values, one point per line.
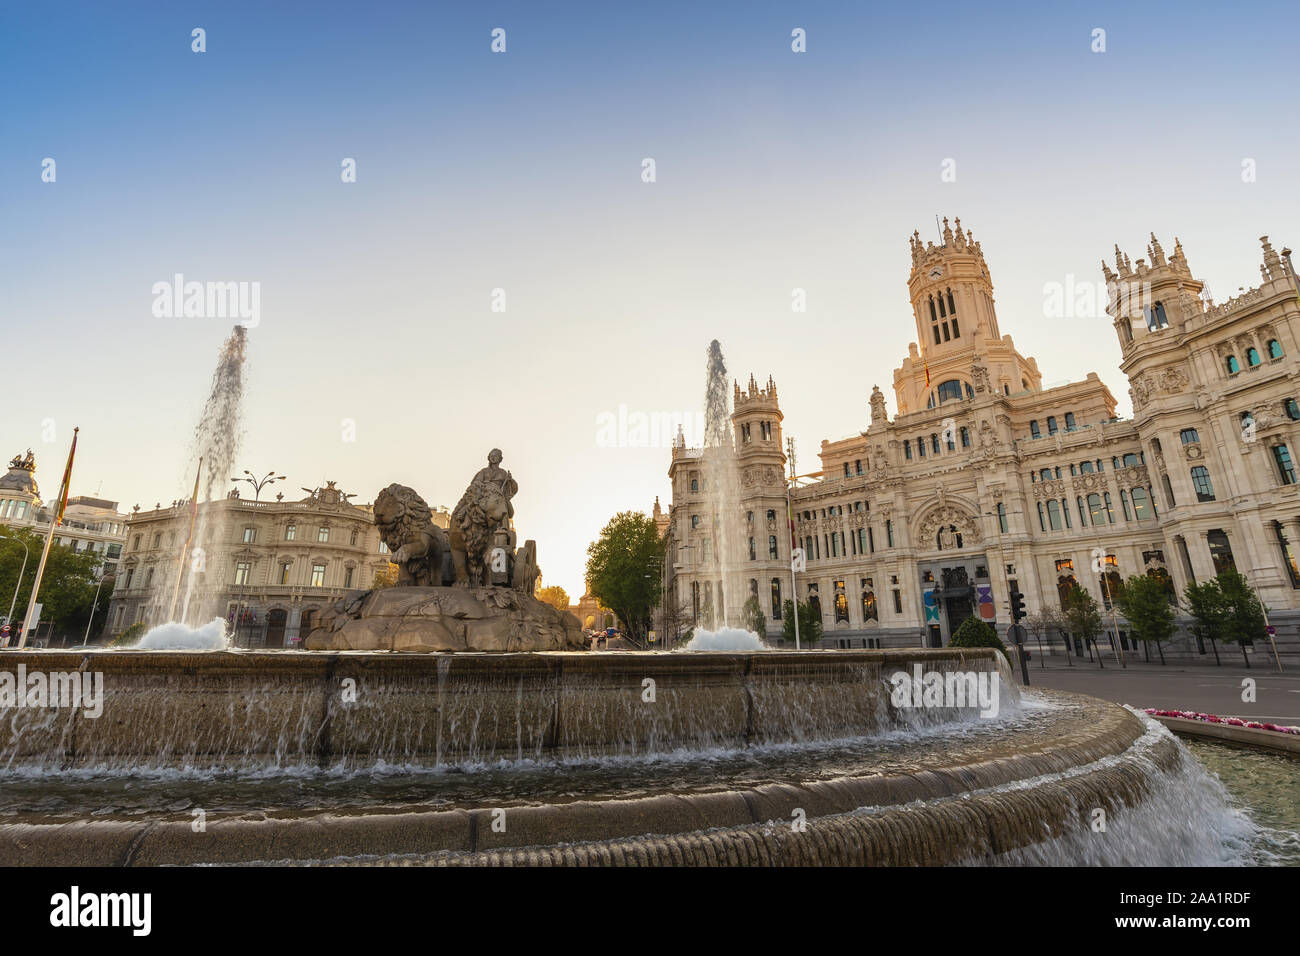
936	272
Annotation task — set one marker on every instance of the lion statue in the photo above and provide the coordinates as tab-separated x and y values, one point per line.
420	549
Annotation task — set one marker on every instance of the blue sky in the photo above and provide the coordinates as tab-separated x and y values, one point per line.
521	171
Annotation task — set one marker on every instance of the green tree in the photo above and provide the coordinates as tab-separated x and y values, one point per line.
1083	615
1209	611
754	618
1244	612
67	587
621	569
973	632
810	624
1144	602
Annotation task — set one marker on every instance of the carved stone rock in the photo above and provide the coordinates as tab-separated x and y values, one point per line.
445	619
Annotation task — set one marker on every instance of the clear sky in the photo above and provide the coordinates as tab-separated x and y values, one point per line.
521	171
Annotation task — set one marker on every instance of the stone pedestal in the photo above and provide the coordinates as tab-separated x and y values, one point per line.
445	619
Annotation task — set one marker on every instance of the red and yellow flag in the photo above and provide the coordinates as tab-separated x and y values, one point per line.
67	480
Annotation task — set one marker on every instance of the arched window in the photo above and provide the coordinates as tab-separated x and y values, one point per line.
1095	509
1274	349
1064	585
933	316
1042	522
753	555
1123	501
1065	510
869	610
943	313
1033	429
771	547
952	309
934	443
965	432
1053	515
1069	421
920	447
907	449
1252	356
949	390
949	438
1046	474
1051	425
1162	321
776	599
1233	365
695	485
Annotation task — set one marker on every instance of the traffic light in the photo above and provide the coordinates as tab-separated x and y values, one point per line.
1017	607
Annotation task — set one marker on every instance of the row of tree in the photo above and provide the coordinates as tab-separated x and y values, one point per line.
1224	608
625	573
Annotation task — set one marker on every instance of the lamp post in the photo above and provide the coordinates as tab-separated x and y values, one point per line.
27	554
258	484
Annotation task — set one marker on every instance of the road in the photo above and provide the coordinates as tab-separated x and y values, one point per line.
1209	689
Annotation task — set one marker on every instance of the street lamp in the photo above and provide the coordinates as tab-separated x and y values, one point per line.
258	484
27	554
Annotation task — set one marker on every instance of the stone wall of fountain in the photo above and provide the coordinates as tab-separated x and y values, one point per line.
230	710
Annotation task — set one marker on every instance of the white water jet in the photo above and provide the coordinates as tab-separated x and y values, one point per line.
722	490
174	636
724	639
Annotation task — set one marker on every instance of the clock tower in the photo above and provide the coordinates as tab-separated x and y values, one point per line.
957	328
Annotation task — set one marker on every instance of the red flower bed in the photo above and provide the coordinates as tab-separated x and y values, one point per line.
1215	719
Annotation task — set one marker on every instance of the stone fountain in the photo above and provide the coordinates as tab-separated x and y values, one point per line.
344	752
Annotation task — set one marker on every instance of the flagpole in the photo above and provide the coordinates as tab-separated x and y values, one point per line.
49	539
189	537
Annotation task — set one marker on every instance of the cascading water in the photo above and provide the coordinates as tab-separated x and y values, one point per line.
722	492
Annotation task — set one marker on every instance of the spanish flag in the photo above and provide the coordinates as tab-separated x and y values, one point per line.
927	371
67	480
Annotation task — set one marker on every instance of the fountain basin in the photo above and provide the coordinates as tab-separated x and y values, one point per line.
1017	794
763	758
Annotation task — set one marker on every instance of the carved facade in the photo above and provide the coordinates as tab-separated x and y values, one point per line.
985	479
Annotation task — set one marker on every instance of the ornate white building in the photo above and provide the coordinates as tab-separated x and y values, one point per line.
985	481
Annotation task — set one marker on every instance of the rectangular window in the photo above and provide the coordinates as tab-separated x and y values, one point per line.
241	572
898	601
889	534
323	535
1201	483
1285	467
318	575
291	532
284	572
1002	517
250	534
347	577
